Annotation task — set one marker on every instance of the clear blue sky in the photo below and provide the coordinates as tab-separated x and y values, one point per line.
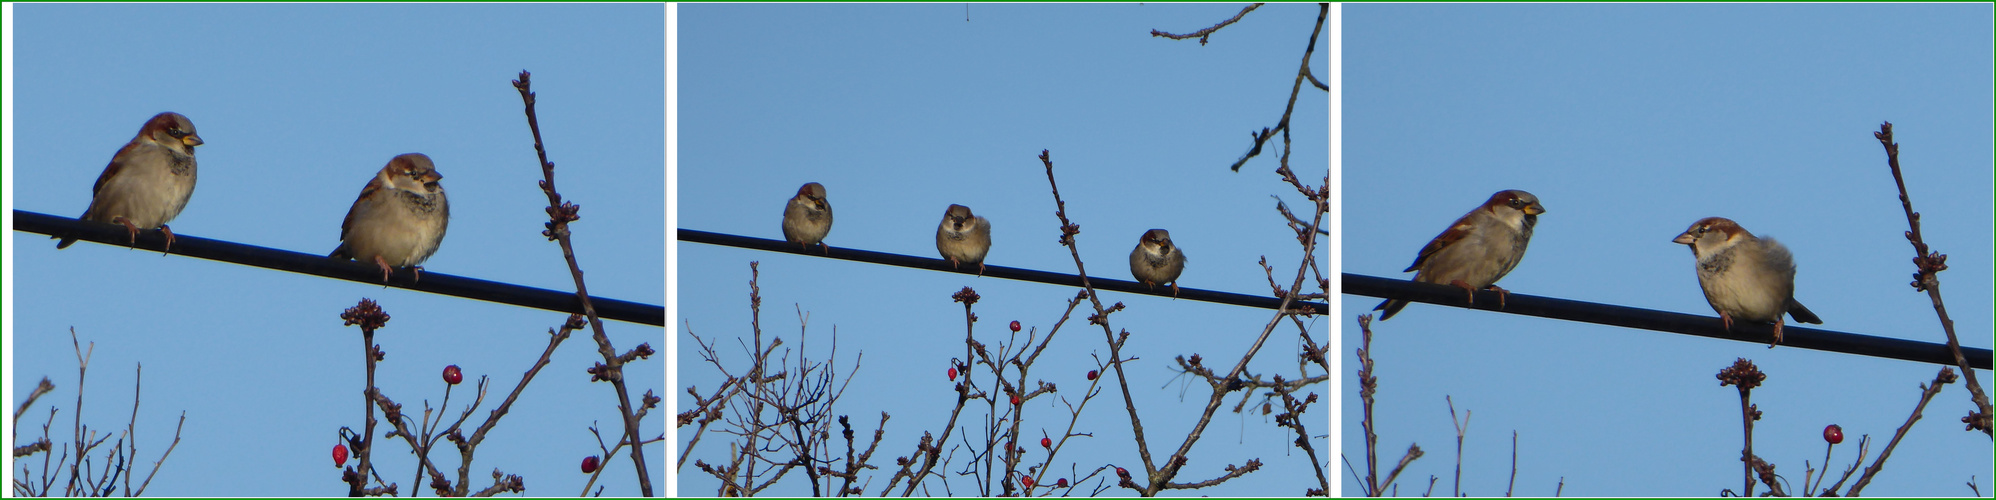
299	105
902	110
1629	122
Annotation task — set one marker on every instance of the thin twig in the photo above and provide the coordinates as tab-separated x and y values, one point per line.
14	426
1461	428
1208	32
1863	450
1101	317
162	458
370	317
1514	465
1927	393
1745	376
1302	74
560	213
132	425
1927	279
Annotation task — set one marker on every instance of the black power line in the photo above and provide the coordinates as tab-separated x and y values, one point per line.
1649	319
1012	273
320	265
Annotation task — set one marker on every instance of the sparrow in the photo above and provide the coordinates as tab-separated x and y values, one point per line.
1745	278
149	181
399	219
1478	249
963	238
1156	261
808	217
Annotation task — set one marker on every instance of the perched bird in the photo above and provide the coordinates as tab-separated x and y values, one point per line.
1478	249
808	217
1156	261
399	219
149	181
963	238
1745	278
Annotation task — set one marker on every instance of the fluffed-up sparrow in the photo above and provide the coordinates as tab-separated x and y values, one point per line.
807	218
963	238
1745	278
1156	261
399	219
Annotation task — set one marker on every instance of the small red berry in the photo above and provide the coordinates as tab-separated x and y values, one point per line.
1092	374
453	375
1062	483
1015	400
588	464
1122	473
1046	442
1834	434
339	455
1026	480
1015	326
952	373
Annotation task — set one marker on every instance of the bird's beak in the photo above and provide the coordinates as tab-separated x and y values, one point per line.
433	176
192	140
1534	209
1682	239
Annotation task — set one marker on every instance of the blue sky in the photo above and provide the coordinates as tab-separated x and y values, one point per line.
300	105
902	110
1629	122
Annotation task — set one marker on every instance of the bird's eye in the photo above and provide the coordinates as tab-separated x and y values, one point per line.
176	133
1702	229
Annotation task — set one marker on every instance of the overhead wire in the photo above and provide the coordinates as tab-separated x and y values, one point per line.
343	269
1793	336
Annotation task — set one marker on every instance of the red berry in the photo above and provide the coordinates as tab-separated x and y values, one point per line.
453	375
1092	374
1015	400
1122	473
339	455
588	464
952	373
1046	442
1834	434
1015	326
1062	483
1026	480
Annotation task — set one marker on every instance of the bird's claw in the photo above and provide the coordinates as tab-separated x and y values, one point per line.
1502	294
1468	291
169	239
385	270
130	229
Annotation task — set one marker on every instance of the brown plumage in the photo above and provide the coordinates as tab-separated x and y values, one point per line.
148	181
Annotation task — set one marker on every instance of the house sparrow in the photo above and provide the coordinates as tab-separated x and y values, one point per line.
1478	249
399	219
149	181
1745	278
1156	261
808	217
963	238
